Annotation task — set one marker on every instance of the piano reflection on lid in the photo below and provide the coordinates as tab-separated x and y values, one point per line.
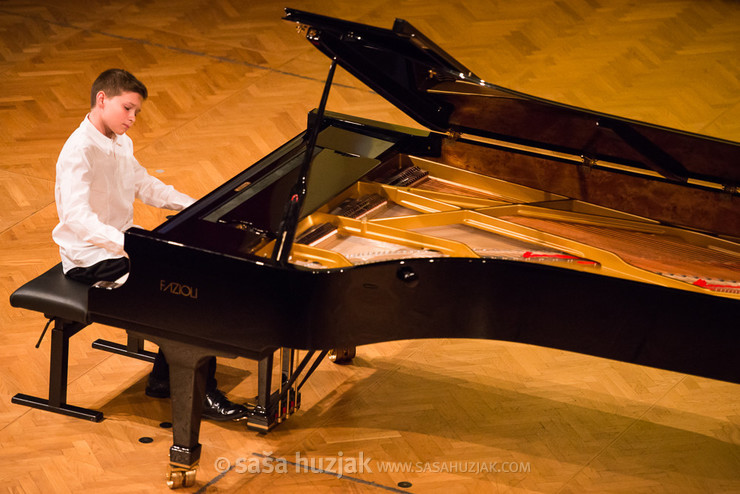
625	233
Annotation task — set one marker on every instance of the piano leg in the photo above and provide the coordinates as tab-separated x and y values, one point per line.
260	418
188	371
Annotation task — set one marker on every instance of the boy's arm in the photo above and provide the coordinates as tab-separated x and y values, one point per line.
152	191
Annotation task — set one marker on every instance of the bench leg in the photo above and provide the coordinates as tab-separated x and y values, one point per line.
58	366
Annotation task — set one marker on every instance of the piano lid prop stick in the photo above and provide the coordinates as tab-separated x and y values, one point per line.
289	221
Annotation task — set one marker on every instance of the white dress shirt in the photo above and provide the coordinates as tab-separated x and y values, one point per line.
97	180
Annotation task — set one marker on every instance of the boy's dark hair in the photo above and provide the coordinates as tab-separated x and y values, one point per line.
113	82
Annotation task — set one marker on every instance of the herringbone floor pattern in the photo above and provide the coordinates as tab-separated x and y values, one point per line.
229	82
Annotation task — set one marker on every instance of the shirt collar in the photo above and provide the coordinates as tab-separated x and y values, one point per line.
98	137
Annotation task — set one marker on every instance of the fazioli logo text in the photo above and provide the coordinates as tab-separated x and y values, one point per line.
176	288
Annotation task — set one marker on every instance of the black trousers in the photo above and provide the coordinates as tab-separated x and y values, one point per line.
107	270
111	270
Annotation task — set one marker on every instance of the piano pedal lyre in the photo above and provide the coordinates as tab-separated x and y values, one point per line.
274	407
342	356
288	401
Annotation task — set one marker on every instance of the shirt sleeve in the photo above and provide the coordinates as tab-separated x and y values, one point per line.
74	175
152	191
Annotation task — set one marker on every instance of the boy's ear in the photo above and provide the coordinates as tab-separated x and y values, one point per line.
99	99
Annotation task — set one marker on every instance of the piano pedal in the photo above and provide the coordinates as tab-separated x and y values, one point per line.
262	420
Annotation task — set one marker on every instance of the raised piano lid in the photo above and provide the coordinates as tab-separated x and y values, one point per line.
429	85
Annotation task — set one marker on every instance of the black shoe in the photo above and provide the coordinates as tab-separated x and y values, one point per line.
157	388
217	407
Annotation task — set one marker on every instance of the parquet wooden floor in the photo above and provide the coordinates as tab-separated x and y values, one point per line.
229	82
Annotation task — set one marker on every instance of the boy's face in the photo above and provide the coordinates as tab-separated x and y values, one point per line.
118	113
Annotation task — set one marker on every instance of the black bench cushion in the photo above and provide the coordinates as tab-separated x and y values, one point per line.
54	295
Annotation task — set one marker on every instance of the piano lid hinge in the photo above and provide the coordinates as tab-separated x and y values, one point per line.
453	135
731	190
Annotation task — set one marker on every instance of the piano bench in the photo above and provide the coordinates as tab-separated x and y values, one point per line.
64	303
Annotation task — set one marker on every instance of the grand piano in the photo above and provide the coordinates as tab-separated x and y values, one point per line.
509	218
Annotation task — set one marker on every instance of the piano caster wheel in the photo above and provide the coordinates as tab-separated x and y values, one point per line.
342	356
180	477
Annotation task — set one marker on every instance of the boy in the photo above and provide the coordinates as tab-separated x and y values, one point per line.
97	180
